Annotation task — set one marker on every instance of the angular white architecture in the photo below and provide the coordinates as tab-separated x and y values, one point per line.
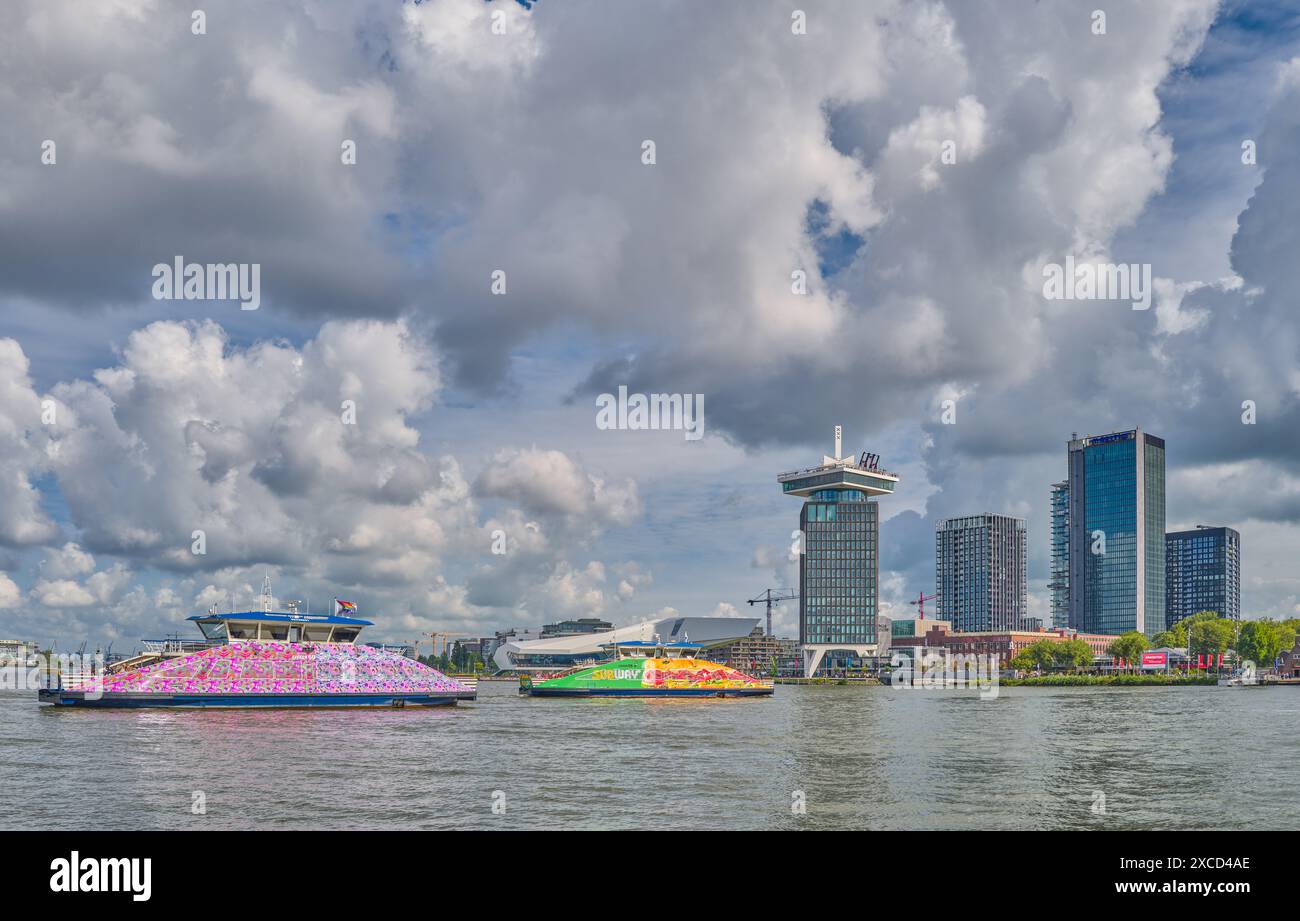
529	655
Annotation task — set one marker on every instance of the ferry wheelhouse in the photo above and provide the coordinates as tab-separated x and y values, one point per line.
261	659
648	669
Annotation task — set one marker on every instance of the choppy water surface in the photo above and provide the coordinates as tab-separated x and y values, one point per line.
862	757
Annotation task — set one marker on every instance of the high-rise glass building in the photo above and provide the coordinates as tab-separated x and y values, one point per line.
1117	533
839	568
980	572
1059	583
1202	573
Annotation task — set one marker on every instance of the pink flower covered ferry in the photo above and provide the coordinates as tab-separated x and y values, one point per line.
260	659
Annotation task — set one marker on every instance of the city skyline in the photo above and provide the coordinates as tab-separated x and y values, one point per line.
798	253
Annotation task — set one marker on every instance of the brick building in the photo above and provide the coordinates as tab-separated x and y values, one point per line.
1290	665
1005	644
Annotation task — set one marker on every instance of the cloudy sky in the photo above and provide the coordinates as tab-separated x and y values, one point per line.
919	163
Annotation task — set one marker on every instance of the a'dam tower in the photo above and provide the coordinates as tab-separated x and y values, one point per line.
839	568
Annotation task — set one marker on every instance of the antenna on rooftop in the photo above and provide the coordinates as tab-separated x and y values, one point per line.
267	597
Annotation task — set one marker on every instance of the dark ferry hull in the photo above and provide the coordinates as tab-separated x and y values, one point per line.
622	692
647	692
135	701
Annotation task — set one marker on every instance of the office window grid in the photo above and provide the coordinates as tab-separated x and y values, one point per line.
1153	492
838	569
980	572
1059	583
1111	561
1203	573
1116	497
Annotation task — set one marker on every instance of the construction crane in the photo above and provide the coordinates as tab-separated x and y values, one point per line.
446	640
920	601
772	597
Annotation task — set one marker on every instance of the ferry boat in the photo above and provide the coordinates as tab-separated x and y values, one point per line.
264	659
648	669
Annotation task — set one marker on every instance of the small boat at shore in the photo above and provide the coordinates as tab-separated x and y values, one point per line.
638	669
260	660
1240	679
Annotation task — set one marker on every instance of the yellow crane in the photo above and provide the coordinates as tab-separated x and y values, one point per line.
446	640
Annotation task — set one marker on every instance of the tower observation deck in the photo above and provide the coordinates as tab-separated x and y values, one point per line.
839	567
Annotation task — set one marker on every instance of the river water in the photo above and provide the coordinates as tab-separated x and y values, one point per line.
809	757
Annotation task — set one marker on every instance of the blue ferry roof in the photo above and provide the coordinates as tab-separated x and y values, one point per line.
288	618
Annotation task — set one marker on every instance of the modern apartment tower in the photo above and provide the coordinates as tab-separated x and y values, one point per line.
1059	583
1202	573
1116	511
980	572
839	569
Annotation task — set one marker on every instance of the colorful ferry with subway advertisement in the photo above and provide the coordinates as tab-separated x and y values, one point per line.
260	660
640	669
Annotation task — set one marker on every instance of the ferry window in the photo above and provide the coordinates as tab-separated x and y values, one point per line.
317	634
276	632
295	634
243	631
213	630
345	634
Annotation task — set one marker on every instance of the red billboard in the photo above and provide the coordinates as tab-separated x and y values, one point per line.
1155	659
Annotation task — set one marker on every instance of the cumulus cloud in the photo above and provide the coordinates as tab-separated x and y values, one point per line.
551	482
70	561
11	596
208	461
273	453
1056	132
913	156
23	520
62	593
